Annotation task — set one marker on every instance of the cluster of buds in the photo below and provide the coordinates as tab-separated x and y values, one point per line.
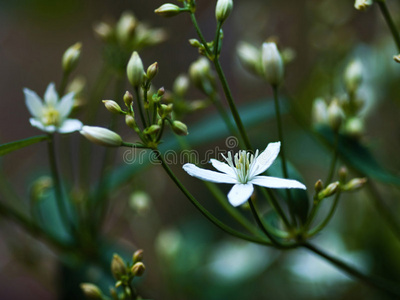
127	35
123	273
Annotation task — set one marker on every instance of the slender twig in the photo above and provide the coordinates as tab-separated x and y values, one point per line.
140	107
390	22
378	283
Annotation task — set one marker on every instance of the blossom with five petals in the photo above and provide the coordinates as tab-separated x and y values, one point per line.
243	170
51	114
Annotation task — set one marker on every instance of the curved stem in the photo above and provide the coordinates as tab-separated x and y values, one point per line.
378	283
62	209
140	107
204	211
390	22
216	39
200	34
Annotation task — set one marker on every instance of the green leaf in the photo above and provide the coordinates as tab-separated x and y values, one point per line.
12	146
358	156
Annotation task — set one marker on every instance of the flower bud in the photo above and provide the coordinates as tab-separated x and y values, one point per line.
137	256
101	136
135	70
128	99
138	269
118	267
181	85
152	71
319	112
354	184
319	186
179	128
161	92
272	63
342	174
353	76
363	4
71	57
113	107
168	10
130	121
140	201
91	291
195	43
250	57
397	58
152	129
329	190
201	76
103	31
126	27
335	115
354	127
223	9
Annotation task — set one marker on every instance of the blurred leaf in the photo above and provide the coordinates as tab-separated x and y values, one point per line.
358	156
12	146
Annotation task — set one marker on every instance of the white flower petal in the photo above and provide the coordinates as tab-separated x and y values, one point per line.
36	123
240	193
70	125
33	103
65	105
223	167
277	183
51	96
266	158
208	175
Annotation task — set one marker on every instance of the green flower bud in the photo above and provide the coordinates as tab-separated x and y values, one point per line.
161	92
140	201
335	115
354	127
91	291
319	112
113	107
272	63
71	57
125	27
201	76
354	184
397	58
128	99
179	128
363	4
250	57
195	43
137	256
101	136
353	76
152	129
329	190
223	9
130	121
181	85
319	186
103	31
152	71
342	174
138	269
135	70
168	10
118	267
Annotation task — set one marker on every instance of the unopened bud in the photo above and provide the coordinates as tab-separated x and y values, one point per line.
250	57
152	71
363	4
179	128
397	58
113	107
353	76
137	256
140	201
126	27
342	174
354	127
152	129
335	115
103	31
128	99
118	267
329	190
318	186
354	184
91	291
138	269
223	9
161	92
319	112
71	57
135	70
200	75
181	85
168	10
130	121
101	136
272	63
195	43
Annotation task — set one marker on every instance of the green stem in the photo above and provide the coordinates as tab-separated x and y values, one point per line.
282	150
62	209
388	288
216	39
140	107
390	22
334	159
200	34
204	211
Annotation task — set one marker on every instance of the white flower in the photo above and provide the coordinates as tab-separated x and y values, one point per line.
243	170
51	114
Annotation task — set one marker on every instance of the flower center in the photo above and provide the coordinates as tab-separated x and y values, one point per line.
51	116
243	163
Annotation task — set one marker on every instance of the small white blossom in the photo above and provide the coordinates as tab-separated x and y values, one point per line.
243	170
51	114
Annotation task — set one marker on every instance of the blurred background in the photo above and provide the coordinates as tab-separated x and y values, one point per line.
186	257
